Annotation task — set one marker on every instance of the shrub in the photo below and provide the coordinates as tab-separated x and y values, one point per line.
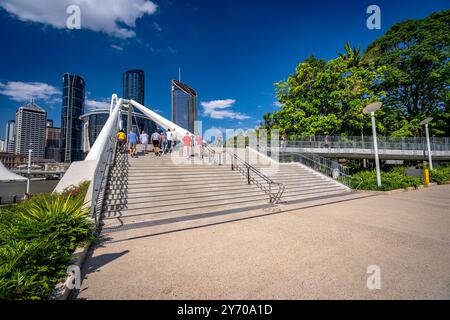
395	179
440	175
37	238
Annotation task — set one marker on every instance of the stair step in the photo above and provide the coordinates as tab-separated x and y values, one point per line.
145	203
218	205
175	188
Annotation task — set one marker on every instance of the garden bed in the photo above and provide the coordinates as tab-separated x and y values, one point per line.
396	179
37	239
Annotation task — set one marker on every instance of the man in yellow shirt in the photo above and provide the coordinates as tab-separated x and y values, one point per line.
121	140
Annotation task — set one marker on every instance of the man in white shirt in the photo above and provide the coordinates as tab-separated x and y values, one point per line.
144	141
171	137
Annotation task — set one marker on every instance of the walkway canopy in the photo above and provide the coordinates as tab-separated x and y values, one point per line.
6	175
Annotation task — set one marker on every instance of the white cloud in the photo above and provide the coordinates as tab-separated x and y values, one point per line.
277	104
96	104
113	17
23	91
220	109
119	48
157	27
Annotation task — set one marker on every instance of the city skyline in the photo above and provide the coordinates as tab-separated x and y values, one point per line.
232	71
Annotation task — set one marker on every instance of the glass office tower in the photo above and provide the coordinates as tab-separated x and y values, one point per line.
134	88
134	85
184	105
71	125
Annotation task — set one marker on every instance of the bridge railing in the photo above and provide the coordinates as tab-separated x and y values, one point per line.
355	142
327	167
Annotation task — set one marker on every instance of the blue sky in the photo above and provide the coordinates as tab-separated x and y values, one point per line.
231	52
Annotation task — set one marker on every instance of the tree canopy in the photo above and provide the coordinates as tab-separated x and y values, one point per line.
408	69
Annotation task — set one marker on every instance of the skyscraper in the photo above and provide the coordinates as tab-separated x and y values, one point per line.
71	125
184	105
52	142
30	130
10	137
134	85
134	88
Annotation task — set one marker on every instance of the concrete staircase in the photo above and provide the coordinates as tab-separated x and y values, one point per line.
150	190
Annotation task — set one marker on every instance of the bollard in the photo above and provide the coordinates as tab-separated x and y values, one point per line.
426	175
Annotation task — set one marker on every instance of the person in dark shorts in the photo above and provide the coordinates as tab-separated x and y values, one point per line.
155	141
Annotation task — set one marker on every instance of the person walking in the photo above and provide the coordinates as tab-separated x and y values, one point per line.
144	141
175	138
155	141
199	145
132	143
187	145
121	140
169	140
163	142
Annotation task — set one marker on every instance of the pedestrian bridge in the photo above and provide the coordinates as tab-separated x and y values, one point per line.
210	180
362	148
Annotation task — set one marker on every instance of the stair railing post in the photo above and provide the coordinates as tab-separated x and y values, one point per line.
248	175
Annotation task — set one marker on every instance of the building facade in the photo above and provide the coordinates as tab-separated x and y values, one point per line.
52	142
134	85
184	105
31	122
71	124
2	145
11	160
10	136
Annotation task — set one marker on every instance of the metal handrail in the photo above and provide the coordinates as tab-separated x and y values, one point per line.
100	179
327	167
274	197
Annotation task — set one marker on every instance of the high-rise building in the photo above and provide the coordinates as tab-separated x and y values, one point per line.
31	122
134	85
2	145
52	142
134	88
10	137
71	125
184	105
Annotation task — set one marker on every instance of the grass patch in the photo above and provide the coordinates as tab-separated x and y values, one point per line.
394	179
37	239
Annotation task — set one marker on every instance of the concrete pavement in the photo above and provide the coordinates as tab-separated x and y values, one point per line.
295	251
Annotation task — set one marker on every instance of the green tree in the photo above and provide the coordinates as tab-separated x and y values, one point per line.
326	98
416	57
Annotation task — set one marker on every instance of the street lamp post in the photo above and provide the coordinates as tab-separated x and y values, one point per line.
29	168
371	108
425	123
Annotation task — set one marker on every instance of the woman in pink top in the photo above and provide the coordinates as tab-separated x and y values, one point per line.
187	144
199	144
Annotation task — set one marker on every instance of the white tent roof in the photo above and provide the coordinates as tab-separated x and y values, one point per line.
6	175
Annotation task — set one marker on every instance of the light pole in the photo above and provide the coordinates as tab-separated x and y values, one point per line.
426	122
29	168
371	108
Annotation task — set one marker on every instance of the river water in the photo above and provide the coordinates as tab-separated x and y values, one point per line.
10	189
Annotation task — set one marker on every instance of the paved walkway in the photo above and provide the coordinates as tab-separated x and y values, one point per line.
313	252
